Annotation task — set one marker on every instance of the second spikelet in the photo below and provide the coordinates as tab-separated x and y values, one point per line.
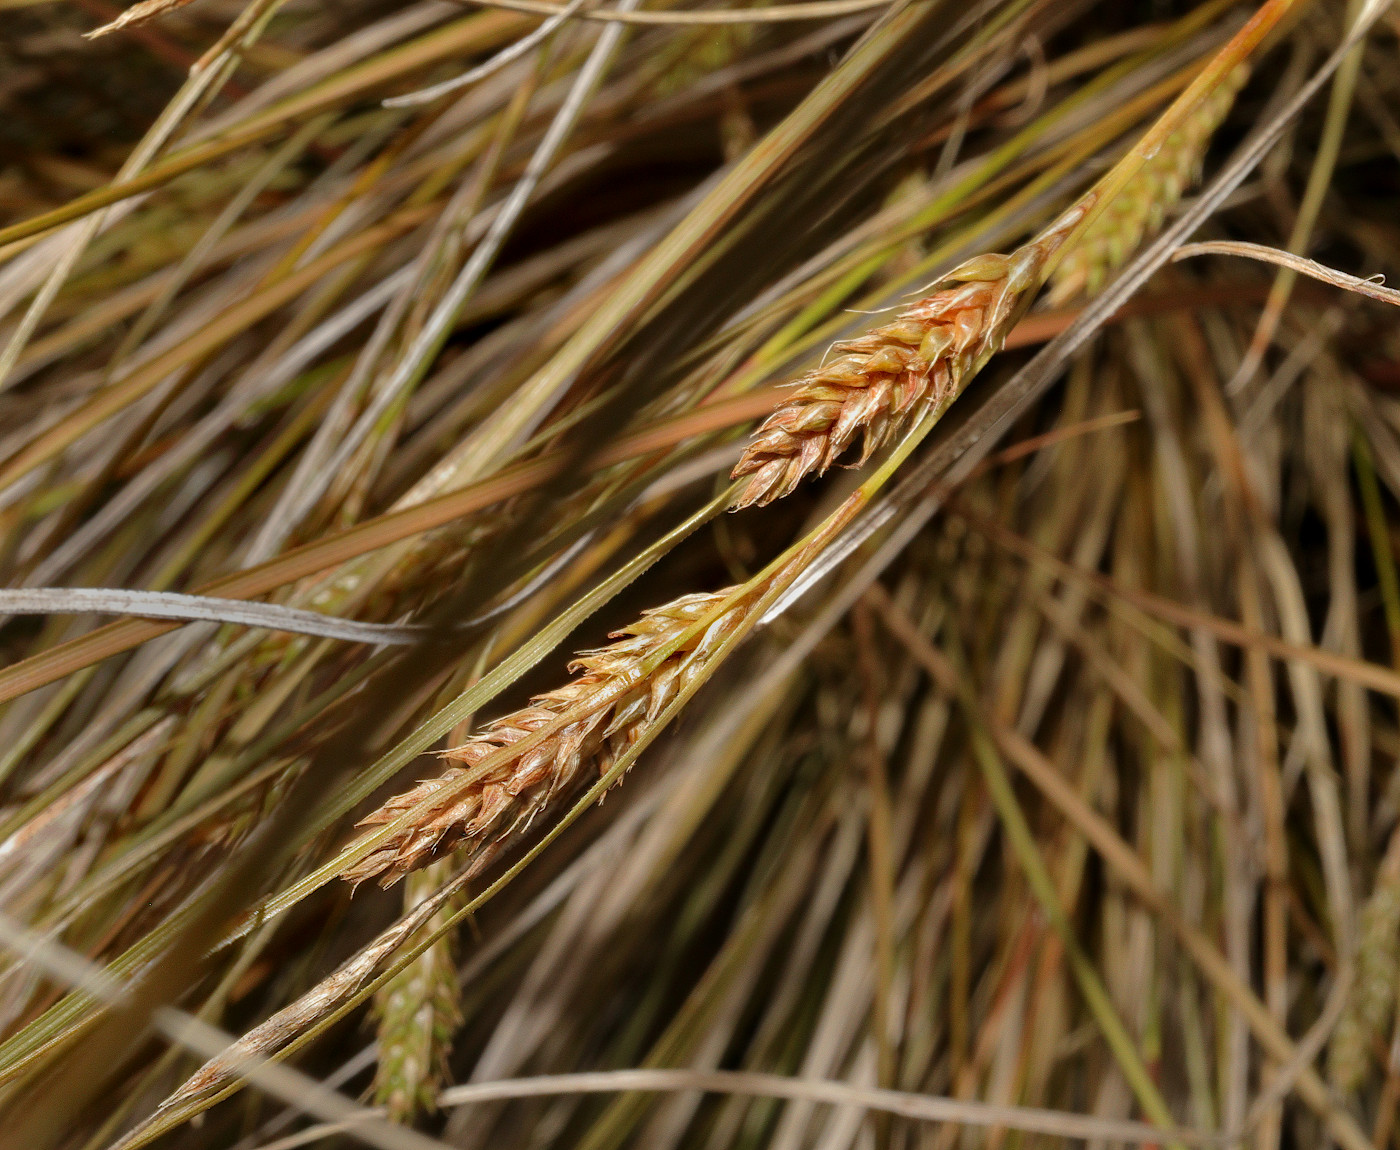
1139	211
610	705
418	1012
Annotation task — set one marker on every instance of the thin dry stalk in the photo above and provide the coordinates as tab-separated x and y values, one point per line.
137	15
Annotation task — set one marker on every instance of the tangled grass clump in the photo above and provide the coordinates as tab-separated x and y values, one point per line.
1034	780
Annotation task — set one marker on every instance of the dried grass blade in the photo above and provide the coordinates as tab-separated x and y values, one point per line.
1130	867
484	30
491	66
777	13
198	608
922	1107
138	14
1371	675
1369	288
392	527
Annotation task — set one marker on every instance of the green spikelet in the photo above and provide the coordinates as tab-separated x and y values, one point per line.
418	1013
1139	211
1372	1001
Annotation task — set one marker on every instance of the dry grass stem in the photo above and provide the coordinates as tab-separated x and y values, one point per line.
137	15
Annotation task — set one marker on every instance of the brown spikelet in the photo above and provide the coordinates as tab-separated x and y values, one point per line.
1141	208
1369	1009
608	708
418	1011
873	387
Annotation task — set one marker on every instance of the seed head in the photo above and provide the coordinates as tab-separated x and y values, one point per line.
1371	1004
609	706
873	387
418	1011
1139	210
